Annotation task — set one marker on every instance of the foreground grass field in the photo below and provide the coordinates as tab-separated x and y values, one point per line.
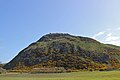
108	75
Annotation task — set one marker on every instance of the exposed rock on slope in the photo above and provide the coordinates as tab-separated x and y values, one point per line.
68	51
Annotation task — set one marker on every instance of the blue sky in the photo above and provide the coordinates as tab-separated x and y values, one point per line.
25	21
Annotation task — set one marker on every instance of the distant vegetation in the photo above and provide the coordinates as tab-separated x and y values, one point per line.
1	69
67	51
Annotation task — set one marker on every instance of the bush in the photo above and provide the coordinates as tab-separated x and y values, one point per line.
2	70
49	70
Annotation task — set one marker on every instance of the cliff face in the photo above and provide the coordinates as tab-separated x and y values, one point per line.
68	51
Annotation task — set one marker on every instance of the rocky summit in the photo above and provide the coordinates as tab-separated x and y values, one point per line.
67	51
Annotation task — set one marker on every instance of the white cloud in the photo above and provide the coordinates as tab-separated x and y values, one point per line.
98	34
111	36
118	28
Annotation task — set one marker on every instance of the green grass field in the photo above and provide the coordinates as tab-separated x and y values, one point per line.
108	75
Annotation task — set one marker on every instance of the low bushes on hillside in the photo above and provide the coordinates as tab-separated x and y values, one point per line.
48	70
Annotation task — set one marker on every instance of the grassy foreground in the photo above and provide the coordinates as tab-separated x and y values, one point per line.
108	75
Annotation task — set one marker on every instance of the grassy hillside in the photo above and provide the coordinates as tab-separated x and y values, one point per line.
67	51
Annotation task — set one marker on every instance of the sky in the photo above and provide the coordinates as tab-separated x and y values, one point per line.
23	22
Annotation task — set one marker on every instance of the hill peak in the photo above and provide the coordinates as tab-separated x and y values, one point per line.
54	36
50	36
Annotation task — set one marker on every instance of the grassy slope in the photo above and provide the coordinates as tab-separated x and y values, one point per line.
84	43
113	46
110	75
